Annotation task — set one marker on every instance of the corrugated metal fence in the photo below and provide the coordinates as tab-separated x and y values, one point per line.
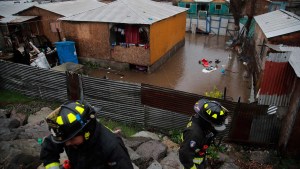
146	105
252	124
33	81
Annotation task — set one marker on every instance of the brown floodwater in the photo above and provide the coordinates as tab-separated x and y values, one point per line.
183	71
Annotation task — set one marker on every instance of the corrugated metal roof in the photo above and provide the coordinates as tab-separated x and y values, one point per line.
277	83
68	8
295	61
16	19
291	55
278	23
279	57
129	12
282	48
8	8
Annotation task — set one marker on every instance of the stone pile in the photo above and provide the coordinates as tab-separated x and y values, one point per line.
21	136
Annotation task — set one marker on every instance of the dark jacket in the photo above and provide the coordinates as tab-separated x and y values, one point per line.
104	150
193	150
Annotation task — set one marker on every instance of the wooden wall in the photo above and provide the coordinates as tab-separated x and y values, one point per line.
91	39
45	18
165	34
133	54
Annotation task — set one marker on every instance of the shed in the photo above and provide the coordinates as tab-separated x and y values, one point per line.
275	28
49	13
290	133
10	25
138	35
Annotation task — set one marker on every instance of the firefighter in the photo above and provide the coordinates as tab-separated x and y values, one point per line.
87	143
209	119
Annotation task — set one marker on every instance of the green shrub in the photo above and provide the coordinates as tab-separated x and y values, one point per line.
215	93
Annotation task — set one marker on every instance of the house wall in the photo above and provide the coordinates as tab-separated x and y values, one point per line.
45	18
290	132
91	39
261	7
291	39
259	39
224	9
137	55
165	34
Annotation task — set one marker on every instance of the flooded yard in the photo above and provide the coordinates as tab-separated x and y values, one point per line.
184	72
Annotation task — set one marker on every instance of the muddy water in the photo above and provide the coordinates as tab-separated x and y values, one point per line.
183	71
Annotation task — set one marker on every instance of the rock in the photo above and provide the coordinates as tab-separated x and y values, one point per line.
152	149
229	166
39	116
134	166
30	131
155	165
7	135
3	113
224	158
170	144
9	123
146	134
13	123
262	157
11	149
134	142
171	161
22	118
24	161
133	155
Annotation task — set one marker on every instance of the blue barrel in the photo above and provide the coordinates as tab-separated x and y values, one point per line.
66	52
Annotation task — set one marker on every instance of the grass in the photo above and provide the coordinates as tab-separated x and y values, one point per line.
7	96
126	130
22	103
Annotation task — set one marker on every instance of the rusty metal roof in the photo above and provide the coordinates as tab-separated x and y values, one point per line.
129	12
277	83
278	23
68	8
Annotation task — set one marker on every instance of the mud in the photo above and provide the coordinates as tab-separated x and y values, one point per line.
183	71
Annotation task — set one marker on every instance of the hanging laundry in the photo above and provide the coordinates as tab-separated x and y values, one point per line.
132	34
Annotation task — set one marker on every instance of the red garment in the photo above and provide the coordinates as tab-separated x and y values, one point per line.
205	63
132	34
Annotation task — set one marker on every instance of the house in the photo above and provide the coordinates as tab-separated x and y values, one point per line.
277	27
290	133
277	48
127	34
49	13
205	7
12	28
293	6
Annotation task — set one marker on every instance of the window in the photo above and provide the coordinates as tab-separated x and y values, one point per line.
121	34
218	7
188	6
203	7
55	26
